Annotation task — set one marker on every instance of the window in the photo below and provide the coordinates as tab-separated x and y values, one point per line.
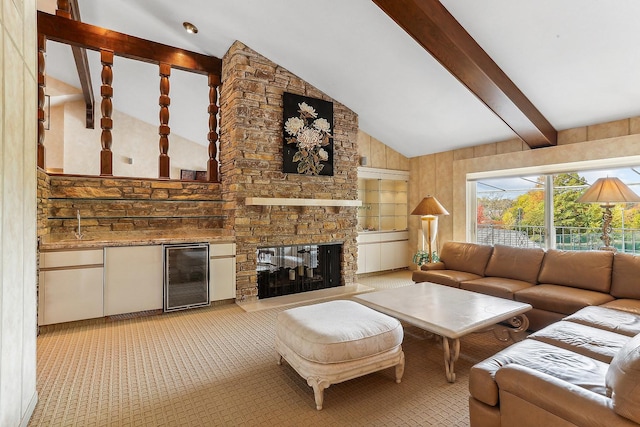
515	210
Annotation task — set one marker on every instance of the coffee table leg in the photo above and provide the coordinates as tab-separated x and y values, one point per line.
451	349
519	323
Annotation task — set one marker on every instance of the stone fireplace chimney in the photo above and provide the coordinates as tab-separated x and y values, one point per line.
251	143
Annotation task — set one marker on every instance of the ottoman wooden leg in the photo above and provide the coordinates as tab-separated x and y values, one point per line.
400	369
318	385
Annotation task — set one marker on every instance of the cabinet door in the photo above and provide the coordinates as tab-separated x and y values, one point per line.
362	259
372	257
133	279
72	294
394	255
222	278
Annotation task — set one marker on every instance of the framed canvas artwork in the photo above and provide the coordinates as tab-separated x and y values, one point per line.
307	135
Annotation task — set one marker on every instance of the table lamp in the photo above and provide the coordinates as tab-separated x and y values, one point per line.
607	192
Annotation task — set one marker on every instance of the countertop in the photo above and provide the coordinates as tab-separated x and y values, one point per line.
101	240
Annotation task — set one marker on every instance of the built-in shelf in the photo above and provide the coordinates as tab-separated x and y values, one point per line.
281	201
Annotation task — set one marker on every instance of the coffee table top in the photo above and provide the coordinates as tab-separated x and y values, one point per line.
443	310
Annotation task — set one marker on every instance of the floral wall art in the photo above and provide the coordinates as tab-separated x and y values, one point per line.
307	135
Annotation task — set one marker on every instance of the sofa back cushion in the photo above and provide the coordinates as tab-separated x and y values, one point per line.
624	279
579	269
515	263
623	380
469	257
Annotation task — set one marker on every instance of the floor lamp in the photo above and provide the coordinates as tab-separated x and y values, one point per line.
607	192
429	209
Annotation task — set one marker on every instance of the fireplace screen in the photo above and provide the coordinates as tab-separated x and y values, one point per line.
286	270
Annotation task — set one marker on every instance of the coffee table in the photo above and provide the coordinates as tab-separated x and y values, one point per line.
448	312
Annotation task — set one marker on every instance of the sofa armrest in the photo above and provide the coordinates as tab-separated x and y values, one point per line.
560	398
433	266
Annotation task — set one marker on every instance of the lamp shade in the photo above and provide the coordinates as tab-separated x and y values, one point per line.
429	206
608	191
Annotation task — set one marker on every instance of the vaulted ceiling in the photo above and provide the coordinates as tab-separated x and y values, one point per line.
549	65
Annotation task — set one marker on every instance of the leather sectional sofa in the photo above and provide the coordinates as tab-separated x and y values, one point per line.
556	283
582	365
581	371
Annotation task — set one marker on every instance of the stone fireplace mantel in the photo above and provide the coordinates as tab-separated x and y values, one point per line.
281	201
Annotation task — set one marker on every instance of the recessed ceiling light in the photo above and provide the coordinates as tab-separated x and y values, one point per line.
191	29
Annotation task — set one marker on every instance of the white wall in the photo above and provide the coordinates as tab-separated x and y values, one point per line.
18	91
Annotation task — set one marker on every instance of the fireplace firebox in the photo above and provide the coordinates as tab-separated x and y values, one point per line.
284	270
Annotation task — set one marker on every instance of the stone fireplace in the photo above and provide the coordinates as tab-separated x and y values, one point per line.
251	146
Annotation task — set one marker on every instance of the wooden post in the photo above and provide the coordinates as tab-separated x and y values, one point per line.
164	130
42	48
63	9
106	123
212	164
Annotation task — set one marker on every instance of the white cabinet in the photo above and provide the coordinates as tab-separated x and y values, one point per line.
382	251
222	271
394	255
133	279
70	286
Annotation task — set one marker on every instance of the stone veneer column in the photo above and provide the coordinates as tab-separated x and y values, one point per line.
251	166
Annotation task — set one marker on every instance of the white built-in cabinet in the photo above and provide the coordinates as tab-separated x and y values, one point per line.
222	271
132	279
382	251
70	286
89	283
383	238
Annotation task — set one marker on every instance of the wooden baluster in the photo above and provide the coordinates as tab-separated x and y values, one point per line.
165	72
212	164
42	48
64	9
106	123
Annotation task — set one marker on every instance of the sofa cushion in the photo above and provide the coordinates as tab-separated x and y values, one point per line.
515	263
560	299
566	365
592	342
578	269
623	380
624	278
602	317
496	286
468	257
628	305
443	277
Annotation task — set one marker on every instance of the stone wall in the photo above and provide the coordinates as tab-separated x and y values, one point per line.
251	166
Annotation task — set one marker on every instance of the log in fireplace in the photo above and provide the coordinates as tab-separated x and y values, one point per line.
284	270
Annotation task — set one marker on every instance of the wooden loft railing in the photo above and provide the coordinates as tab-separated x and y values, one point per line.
61	28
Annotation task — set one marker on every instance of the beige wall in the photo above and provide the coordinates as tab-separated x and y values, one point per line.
18	90
379	155
444	174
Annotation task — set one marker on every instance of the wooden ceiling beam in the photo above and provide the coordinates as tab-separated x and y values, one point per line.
82	63
91	37
437	31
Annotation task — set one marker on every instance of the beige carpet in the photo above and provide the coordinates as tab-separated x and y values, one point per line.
217	366
394	279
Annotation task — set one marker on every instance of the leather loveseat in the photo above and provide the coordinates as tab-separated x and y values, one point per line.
556	283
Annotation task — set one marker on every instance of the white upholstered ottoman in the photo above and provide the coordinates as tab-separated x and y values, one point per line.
335	341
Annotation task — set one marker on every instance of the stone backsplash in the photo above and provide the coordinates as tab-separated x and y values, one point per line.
126	204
